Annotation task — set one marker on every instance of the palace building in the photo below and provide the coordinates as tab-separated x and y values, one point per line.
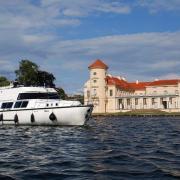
115	94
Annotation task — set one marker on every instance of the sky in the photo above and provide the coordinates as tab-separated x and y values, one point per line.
137	39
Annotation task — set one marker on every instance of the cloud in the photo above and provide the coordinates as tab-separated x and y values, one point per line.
6	69
155	6
32	31
145	54
165	64
83	8
170	76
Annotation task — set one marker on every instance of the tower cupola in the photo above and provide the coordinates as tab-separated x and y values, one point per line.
98	64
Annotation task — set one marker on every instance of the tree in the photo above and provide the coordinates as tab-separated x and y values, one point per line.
45	78
4	81
61	93
27	74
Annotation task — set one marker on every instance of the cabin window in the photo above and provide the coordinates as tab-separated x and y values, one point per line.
6	105
21	104
18	104
38	96
57	104
24	104
3	106
9	105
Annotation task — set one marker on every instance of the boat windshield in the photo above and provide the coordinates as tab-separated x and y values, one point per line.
38	96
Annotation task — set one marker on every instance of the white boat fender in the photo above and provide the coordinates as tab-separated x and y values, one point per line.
52	117
1	117
16	119
32	118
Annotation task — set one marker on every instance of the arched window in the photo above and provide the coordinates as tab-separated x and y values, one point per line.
165	92
110	92
176	92
88	93
154	92
94	92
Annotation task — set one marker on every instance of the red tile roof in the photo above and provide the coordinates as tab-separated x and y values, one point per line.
133	86
139	85
164	82
98	64
120	83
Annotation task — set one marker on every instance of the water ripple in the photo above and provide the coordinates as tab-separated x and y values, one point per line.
107	148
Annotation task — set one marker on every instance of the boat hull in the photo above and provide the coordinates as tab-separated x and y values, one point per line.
70	115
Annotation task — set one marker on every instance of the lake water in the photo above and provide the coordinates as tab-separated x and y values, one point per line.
107	148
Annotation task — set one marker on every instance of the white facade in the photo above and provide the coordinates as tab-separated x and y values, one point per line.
115	94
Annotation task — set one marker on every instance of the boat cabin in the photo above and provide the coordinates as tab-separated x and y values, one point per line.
31	97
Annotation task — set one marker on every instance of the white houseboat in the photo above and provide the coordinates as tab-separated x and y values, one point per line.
40	106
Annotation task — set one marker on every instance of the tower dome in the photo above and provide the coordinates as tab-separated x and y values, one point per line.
98	64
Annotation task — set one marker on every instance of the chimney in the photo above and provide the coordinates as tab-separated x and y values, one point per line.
137	82
123	78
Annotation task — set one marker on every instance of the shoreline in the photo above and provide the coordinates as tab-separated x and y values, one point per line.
138	114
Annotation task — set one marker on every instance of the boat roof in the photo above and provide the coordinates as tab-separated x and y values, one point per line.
11	93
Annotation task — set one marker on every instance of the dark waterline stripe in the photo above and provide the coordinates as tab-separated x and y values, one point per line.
46	108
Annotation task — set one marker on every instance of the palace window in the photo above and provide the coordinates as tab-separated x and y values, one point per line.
154	92
144	101
176	92
153	101
165	92
128	102
120	101
94	73
88	93
161	100
136	101
170	100
95	81
110	92
94	92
